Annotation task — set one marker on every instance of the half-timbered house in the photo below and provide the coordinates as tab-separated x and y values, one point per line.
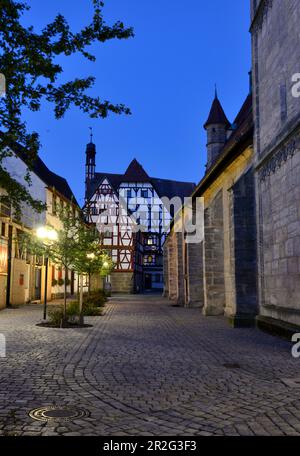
133	218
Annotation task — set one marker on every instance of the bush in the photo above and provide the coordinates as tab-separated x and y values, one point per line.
94	301
73	312
91	311
87	310
54	282
60	282
97	298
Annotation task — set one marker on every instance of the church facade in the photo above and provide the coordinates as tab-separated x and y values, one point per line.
276	67
133	220
218	274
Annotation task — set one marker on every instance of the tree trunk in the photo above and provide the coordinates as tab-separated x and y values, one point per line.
81	300
65	296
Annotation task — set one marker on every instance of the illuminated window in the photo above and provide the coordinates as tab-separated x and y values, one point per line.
149	259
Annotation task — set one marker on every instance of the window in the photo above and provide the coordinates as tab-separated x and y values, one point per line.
94	210
158	278
151	241
3	229
144	193
149	260
3	256
129	194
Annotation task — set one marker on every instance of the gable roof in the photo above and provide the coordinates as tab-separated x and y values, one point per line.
217	115
53	180
39	168
136	173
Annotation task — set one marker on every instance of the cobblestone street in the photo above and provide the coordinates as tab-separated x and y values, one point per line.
147	368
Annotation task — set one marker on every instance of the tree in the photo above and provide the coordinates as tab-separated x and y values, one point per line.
90	259
28	60
76	248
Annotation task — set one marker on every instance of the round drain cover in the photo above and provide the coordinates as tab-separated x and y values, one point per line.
57	413
232	366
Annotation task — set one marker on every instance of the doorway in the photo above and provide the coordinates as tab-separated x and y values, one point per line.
148	281
37	284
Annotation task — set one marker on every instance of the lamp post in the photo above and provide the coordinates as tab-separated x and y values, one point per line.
47	235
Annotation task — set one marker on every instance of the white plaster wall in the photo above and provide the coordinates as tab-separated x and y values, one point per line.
17	170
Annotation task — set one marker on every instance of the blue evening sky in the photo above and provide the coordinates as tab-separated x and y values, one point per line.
166	75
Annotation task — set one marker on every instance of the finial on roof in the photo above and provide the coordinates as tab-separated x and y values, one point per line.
91	134
217	114
216	91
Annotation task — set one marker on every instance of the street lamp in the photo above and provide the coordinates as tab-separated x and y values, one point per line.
48	236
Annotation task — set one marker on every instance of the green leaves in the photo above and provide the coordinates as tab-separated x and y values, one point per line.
77	247
29	62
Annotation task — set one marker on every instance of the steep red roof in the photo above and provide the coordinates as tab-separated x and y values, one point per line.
136	173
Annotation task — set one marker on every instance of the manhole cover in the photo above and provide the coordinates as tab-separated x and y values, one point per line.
54	412
232	366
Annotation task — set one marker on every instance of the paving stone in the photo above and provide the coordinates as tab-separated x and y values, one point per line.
146	368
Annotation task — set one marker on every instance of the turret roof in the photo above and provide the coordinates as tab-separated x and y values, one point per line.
217	115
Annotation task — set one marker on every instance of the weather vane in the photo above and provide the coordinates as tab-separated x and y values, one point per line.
91	130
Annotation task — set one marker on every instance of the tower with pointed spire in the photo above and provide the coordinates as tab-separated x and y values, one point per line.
216	127
90	164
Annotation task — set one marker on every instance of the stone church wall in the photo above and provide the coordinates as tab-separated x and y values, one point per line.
194	275
276	57
214	284
218	275
279	224
243	256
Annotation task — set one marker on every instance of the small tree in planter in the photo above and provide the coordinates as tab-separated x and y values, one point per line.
64	251
89	259
77	248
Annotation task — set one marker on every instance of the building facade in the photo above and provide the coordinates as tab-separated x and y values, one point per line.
133	220
218	274
247	266
276	68
22	276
